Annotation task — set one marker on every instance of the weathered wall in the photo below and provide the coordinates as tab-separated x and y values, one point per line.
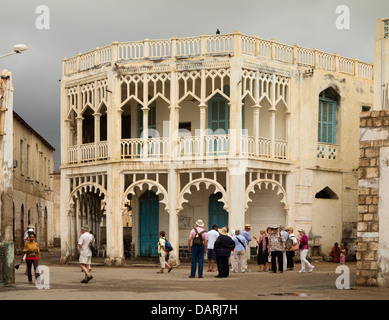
373	206
6	191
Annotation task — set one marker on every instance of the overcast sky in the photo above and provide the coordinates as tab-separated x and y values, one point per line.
82	25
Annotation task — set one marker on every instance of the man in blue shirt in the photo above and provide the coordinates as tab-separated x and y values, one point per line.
239	252
245	233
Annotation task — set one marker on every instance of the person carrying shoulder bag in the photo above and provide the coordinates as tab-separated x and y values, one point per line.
239	252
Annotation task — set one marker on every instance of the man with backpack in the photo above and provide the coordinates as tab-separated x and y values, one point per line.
197	245
163	252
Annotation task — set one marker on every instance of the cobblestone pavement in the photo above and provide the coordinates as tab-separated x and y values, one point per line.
137	281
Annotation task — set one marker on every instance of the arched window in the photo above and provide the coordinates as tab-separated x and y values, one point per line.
326	193
328	101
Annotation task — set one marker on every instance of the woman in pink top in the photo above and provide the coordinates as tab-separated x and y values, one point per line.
304	251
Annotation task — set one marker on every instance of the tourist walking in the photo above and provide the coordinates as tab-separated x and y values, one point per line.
276	248
30	229
290	252
223	246
212	235
33	254
239	252
163	253
263	255
197	245
85	258
304	251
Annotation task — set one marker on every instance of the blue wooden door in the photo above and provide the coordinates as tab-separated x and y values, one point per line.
148	224
216	213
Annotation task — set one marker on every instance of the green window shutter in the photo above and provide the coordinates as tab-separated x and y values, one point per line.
327	118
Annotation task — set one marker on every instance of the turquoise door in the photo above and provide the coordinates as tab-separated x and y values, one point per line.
148	224
217	215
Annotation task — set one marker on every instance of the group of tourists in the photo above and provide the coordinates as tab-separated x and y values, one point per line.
276	249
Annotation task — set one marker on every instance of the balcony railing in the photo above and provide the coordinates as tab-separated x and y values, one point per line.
94	151
225	44
188	147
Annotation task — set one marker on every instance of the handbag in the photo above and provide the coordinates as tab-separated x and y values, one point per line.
295	247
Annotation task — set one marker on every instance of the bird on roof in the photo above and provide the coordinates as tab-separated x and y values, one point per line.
217	31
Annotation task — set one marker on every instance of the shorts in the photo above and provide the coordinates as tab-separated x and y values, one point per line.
85	260
211	254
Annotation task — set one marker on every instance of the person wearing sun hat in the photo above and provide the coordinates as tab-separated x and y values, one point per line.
223	246
85	252
197	245
276	248
245	233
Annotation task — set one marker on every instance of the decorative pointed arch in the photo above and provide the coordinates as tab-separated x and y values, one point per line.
265	102
87	187
197	183
150	184
266	183
281	103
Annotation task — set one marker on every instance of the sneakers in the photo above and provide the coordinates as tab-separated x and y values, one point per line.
311	268
89	278
301	271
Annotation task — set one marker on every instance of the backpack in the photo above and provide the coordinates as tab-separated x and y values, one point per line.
93	247
289	244
198	238
168	246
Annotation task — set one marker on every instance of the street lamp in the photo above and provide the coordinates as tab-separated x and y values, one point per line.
19	48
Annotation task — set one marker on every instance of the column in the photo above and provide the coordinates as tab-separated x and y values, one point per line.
256	109
65	216
272	131
256	129
97	135
115	253
78	214
203	115
288	132
79	137
273	111
174	114
235	107
145	110
173	213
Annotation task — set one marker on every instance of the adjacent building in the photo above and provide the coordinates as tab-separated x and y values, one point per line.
230	129
32	184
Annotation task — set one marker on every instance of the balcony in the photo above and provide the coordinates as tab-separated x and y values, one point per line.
188	148
211	45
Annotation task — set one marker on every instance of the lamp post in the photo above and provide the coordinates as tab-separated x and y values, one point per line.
19	48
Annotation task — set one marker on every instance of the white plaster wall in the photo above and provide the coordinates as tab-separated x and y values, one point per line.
265	211
196	208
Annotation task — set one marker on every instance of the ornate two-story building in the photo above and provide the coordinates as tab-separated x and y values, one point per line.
230	129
